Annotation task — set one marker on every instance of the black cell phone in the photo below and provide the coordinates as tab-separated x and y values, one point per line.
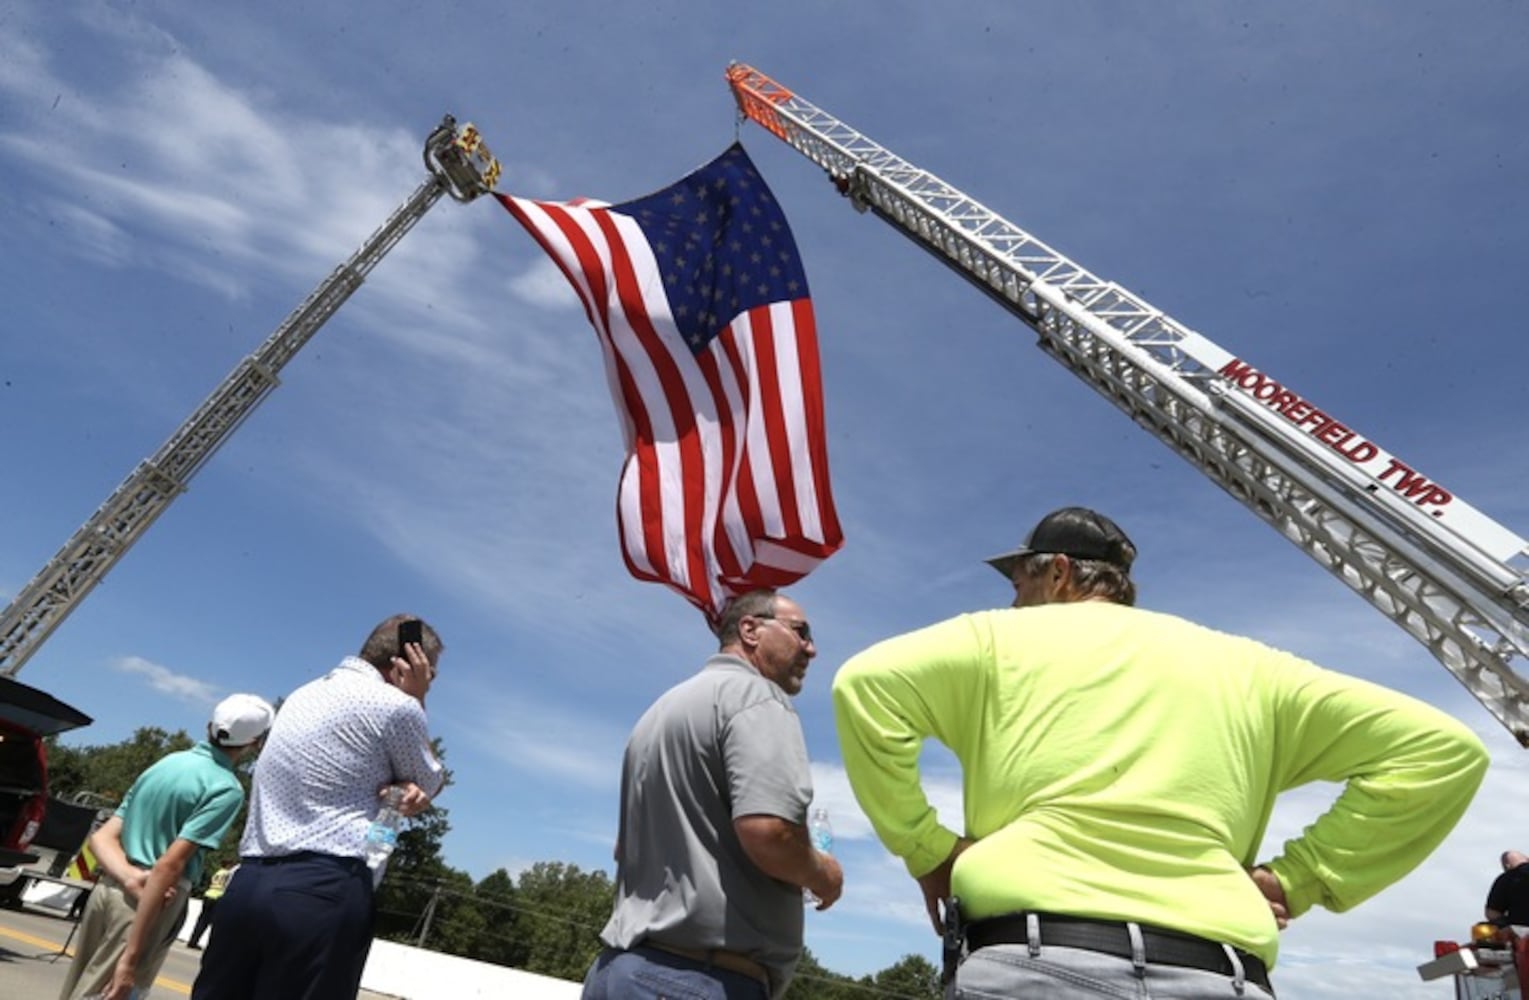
410	630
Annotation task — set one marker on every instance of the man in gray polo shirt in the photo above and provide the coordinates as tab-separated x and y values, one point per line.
712	853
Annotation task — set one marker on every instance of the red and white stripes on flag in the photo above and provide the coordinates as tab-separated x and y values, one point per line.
701	308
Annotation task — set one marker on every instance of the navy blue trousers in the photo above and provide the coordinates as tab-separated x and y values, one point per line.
292	928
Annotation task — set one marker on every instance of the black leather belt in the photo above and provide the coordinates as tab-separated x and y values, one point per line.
1110	937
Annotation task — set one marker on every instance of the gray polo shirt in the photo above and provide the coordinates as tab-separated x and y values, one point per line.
725	743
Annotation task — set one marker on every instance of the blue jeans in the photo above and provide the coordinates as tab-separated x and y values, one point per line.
1005	971
649	974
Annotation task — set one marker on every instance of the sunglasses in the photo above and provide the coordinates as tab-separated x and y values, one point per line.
802	629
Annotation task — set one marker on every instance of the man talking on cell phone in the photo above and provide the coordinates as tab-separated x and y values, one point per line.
296	921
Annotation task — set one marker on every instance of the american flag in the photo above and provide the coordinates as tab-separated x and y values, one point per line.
700	303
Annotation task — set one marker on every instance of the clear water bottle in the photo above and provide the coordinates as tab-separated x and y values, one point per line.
821	833
382	835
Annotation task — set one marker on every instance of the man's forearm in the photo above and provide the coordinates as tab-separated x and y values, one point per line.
150	905
887	701
163	880
161	884
781	850
1422	779
106	845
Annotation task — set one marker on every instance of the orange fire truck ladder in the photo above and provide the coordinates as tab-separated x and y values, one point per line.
1447	574
459	164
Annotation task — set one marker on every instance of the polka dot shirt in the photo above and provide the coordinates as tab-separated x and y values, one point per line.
335	743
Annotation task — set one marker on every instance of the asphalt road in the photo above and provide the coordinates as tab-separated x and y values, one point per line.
32	962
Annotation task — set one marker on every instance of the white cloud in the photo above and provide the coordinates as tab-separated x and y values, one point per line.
831	790
550	742
166	681
542	284
198	170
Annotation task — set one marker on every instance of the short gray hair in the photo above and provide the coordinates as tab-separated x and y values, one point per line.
1091	577
754	604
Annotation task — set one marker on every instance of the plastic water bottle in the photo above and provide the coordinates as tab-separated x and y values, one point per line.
382	835
821	833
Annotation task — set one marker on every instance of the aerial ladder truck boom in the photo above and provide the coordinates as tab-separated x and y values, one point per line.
459	164
1443	571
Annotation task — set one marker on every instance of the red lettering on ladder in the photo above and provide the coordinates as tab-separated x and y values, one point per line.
1299	412
1331	433
1234	369
1415	486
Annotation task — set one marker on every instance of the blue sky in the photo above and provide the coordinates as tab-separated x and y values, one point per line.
1336	193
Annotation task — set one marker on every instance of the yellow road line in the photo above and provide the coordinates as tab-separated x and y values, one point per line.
29	939
173	985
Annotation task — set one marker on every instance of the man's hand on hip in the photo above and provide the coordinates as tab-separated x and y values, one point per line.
936	884
1269	885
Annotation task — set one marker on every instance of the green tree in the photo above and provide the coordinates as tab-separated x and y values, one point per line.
913	977
499	908
814	982
443	914
561	912
109	770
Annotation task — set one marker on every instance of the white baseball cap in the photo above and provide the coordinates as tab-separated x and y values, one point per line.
240	719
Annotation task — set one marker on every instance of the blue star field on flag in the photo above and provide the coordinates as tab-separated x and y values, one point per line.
722	245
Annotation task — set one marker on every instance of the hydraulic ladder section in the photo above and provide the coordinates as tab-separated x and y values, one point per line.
1444	572
459	164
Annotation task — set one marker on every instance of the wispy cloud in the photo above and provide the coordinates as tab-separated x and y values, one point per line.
215	175
166	681
542	284
831	790
551	742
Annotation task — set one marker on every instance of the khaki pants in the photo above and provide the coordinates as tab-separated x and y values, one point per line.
102	937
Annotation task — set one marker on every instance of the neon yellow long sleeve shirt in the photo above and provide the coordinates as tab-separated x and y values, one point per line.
1122	764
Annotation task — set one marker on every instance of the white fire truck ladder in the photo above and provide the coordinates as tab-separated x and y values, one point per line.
1450	576
460	165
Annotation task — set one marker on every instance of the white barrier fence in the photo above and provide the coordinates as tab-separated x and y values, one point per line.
404	971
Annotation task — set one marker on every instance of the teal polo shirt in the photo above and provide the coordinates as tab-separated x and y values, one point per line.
189	795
